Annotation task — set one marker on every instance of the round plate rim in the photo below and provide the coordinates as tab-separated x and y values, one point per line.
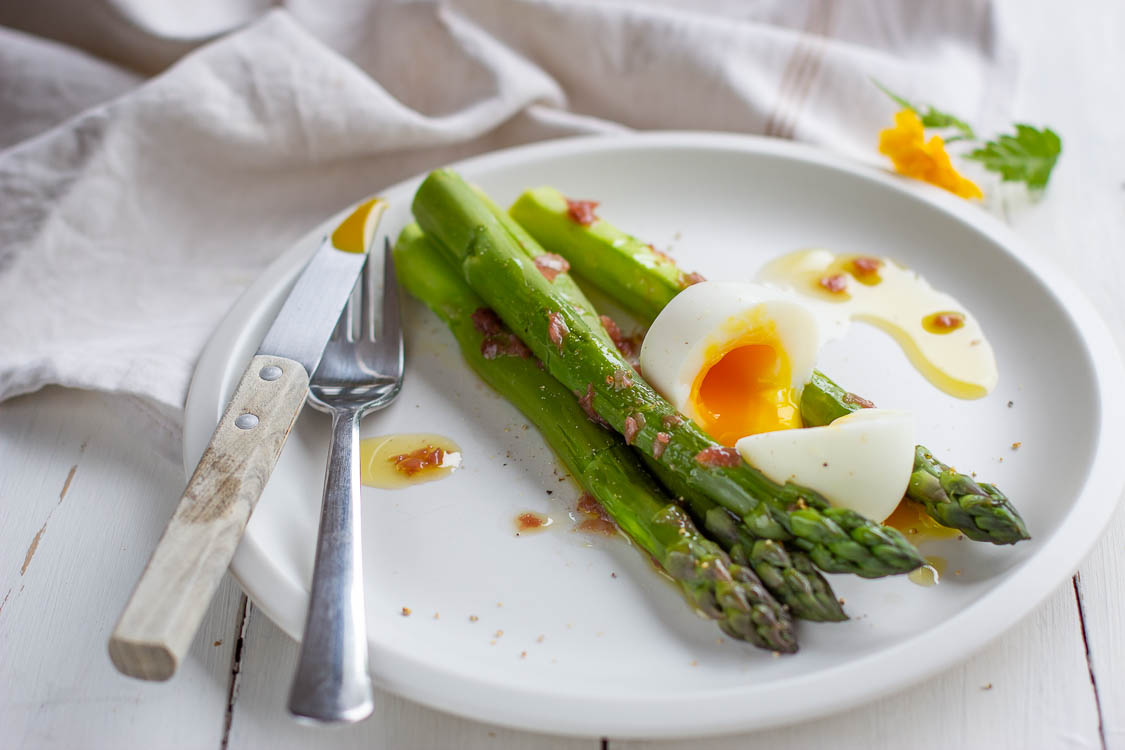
703	713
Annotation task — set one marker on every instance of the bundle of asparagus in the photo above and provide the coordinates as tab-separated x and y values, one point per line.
644	281
725	591
497	268
487	277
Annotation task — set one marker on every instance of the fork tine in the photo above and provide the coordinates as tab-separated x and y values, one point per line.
390	337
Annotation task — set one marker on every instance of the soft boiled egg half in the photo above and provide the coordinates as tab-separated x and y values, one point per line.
734	358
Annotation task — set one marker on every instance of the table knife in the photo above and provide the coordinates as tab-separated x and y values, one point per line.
163	614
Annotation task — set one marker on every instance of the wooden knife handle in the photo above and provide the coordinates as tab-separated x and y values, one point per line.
164	612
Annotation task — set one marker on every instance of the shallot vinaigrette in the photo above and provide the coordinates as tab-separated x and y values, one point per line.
393	462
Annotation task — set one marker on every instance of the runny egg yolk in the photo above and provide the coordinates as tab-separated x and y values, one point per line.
745	389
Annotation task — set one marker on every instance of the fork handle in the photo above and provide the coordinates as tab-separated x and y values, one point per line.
332	683
172	595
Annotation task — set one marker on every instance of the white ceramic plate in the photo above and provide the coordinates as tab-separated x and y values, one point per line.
593	642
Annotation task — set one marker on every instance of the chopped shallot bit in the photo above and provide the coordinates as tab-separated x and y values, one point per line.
865	266
688	279
497	341
551	265
672	420
719	456
621	380
611	328
835	283
503	345
582	211
487	321
632	428
587	404
660	443
603	526
597	520
557	330
424	458
628	346
589	506
948	320
860	401
490	347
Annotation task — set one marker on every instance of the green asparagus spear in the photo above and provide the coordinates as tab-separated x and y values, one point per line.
603	465
492	262
979	510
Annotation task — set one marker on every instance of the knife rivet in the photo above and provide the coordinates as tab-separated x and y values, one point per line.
246	421
270	372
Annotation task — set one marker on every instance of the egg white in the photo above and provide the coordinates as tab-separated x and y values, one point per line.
861	461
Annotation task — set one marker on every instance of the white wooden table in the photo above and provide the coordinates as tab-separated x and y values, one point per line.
83	498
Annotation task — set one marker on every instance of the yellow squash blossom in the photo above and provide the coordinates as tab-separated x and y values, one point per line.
913	157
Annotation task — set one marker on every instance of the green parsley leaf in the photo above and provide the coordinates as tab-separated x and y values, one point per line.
1028	156
931	118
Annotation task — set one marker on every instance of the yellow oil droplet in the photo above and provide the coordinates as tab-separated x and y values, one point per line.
943	322
929	574
393	462
912	520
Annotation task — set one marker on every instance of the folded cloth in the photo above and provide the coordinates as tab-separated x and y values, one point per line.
129	227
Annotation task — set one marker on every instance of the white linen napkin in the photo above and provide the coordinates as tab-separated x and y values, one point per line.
133	212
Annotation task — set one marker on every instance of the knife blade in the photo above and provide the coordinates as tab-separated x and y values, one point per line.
302	327
165	609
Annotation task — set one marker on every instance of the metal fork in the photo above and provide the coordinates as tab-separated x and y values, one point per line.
357	375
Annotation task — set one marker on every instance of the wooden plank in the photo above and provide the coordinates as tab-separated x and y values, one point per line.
1101	586
1028	689
83	499
269	661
